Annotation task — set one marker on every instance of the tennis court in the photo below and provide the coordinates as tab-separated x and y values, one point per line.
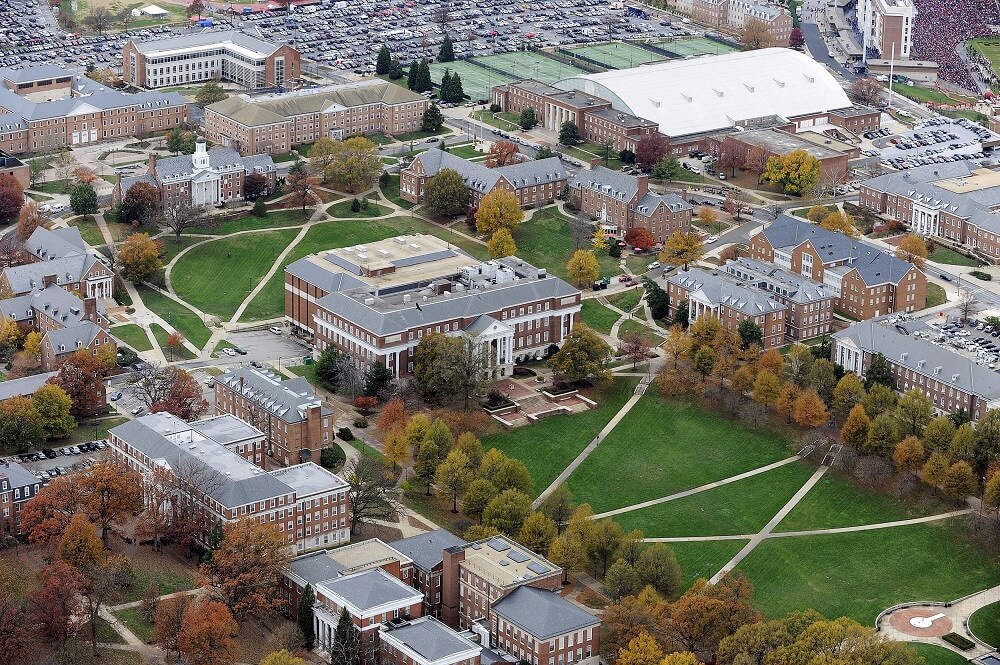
686	46
476	81
530	65
618	55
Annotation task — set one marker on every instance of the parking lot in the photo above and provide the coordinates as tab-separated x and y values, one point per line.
62	464
936	141
974	340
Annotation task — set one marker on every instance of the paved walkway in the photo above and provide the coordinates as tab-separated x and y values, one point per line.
895	624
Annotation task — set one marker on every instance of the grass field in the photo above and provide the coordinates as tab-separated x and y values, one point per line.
546	240
631	327
637	462
243	259
935	295
391	192
180	317
618	55
737	508
548	447
170	247
860	574
274	219
270	302
89	231
597	316
535	64
133	335
943	254
934	655
705	558
985	623
628	299
989	48
921	94
685	46
132	618
343	210
476	81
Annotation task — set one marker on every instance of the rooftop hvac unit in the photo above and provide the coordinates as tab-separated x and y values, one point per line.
489	269
369	301
383	253
407	297
505	276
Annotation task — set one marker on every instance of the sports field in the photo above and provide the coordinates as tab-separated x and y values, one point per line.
618	55
687	46
989	48
476	81
535	65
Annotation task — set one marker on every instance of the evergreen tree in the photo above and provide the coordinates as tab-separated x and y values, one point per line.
424	83
395	69
456	88
411	81
447	52
383	61
346	649
305	615
433	119
878	372
445	92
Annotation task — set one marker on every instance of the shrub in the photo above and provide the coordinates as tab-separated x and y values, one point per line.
361	423
495	108
355	205
383	179
958	641
615	250
126	357
331	458
259	208
979	274
495	398
524	371
345	434
364	204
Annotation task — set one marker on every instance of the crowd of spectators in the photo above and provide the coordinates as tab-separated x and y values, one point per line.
982	69
943	24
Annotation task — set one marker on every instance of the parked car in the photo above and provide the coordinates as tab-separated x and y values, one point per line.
711	239
653	266
137	410
115	396
229	352
275	329
240	350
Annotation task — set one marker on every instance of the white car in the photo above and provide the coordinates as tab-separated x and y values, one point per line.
275	329
653	266
711	239
57	207
229	352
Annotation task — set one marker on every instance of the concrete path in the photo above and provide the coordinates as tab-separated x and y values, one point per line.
640	390
958	612
758	538
697	490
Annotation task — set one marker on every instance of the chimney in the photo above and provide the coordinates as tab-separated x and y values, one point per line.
150	167
313	441
642	182
48	280
90	309
450	574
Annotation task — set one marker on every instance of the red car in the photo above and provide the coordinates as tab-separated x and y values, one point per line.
624	278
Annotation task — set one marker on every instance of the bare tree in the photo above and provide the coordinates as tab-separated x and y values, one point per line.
100	19
442	15
472	369
736	201
967	303
373	494
149	385
182	216
866	91
189	483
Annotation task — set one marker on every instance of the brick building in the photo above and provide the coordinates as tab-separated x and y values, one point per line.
295	422
540	626
759	145
532	182
205	178
17	487
867	281
209	56
309	505
427	553
427	641
620	202
775	20
275	124
952	381
886	28
390	294
809	304
730	300
58	256
12	166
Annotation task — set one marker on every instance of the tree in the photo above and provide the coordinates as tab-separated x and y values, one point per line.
100	19
583	268
301	185
80	377
914	410
796	39
527	120
445	194
477	496
796	172
499	209
967	303
855	429
599	240
991	493
878	372
959	481
657	567
255	186
411	78
621	580
55	602
451	88
83	199
882	435
848	392
567	552
433	119
507	511
105	584
447	52
677	343
197	7
169	389
11	198
840	222
53	406
29	219
345	648
304	615
244	569
373	495
140	205
79	546
635	347
912	248
169	619
706	613
569	133
703	361
208	634
866	91
651	149
378	377
283	657
682	247
453	475
112	494
182	216
601	544
667	168
512	474
750	333
537	532
640	238
935	469
424	83
139	257
329	368
879	400
426	463
656	298
583	354
385	59
756	35
558	505
939	433
354	165
210	93
21	427
502	153
909	455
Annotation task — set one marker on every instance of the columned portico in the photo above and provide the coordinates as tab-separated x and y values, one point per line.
100	288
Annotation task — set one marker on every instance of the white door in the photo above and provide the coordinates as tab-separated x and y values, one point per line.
76	137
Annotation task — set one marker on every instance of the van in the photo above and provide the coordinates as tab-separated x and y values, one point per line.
707	159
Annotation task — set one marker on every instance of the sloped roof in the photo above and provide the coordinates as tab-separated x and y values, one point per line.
70	339
370	589
287	399
715	92
223	39
322	278
541	613
721	289
34	73
30	276
482	179
430	638
427	549
604	180
51	244
53	302
17	475
25	386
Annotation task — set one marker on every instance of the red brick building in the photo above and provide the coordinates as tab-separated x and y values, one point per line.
427	553
539	626
17	487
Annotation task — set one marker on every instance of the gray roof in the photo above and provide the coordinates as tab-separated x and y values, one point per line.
23	387
146	178
722	289
101	99
873	265
48	244
17	475
287	399
370	589
541	613
479	178
218	158
53	302
649	203
768	277
430	638
316	567
209	38
308	478
611	183
34	73
322	278
427	549
31	276
68	340
922	357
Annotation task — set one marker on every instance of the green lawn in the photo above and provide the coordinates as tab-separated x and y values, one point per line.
548	446
169	579
133	335
38	197
704	559
420	135
922	94
628	299
89	231
132	618
597	316
637	462
179	353
343	210
546	240
273	220
985	623
92	431
180	317
270	302
171	247
308	371
631	326
942	254
835	501
391	192
860	574
243	259
935	295
465	151
737	508
502	120
934	655
52	187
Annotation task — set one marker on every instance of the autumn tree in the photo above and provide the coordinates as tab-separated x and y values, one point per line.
301	186
283	657
641	650
796	172
29	219
866	91
840	222
80	376
79	545
756	35
682	247
913	411
567	552
640	238
939	433
635	347
112	493
210	93
55	603
848	392
629	617
507	512
501	244
883	435
909	455
105	583
657	567
15	638
245	569
879	400
21	427
139	258
959	481
445	194
706	613
912	248
453	475
11	198
583	268
355	165
650	149
181	396
499	209
855	429
207	635
140	205
809	410
602	542
583	354
537	532
502	153
169	620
